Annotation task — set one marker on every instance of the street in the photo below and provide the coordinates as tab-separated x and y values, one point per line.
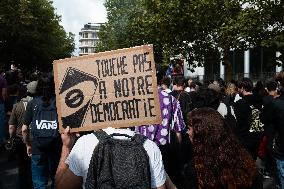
9	173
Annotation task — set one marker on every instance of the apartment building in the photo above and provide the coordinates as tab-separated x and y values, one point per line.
88	38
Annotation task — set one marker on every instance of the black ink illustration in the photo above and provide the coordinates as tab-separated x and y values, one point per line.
75	97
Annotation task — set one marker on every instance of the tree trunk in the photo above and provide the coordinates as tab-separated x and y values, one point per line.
228	65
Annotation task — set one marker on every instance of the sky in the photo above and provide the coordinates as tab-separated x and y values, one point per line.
75	13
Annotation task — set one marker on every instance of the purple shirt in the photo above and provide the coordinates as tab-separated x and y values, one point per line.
171	120
3	84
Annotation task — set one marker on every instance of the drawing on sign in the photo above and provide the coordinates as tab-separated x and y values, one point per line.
74	96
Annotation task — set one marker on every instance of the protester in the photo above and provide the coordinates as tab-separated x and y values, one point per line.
166	83
247	110
269	130
231	92
273	115
168	135
188	88
219	159
15	130
193	93
272	88
259	89
45	146
3	97
239	92
73	168
12	75
183	97
265	151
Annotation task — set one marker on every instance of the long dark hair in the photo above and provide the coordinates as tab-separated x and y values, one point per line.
219	159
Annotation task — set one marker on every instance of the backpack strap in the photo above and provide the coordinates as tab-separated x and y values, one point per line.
179	95
101	135
120	134
139	139
37	100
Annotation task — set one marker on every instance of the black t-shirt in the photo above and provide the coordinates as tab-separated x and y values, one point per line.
243	114
273	115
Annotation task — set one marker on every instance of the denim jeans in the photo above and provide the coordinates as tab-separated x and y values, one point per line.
44	166
2	122
280	169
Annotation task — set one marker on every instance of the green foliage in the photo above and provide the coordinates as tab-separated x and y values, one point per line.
199	30
30	34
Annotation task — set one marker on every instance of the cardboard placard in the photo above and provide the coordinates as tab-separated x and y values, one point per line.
109	89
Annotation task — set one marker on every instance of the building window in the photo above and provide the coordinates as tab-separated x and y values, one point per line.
94	35
84	50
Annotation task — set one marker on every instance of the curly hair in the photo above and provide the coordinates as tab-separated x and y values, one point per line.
219	159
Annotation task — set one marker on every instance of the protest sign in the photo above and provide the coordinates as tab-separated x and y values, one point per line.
109	89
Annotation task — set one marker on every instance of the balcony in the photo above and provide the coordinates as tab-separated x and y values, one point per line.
87	38
86	45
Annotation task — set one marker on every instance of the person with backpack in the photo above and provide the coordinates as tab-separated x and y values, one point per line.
16	138
183	97
40	120
110	158
247	110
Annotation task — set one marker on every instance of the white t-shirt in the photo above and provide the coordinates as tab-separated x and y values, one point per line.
237	98
81	154
222	109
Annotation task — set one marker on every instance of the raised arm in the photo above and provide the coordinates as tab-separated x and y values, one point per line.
64	177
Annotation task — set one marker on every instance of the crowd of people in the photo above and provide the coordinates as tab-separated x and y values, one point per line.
211	136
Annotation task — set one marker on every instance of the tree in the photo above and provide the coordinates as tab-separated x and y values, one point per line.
274	12
200	30
30	34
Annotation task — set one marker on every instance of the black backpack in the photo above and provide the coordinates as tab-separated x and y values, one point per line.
119	163
44	125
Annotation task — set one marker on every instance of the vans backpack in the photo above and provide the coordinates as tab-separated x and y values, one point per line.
256	125
44	125
119	163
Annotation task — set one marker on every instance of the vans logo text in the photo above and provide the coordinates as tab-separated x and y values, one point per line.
44	124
